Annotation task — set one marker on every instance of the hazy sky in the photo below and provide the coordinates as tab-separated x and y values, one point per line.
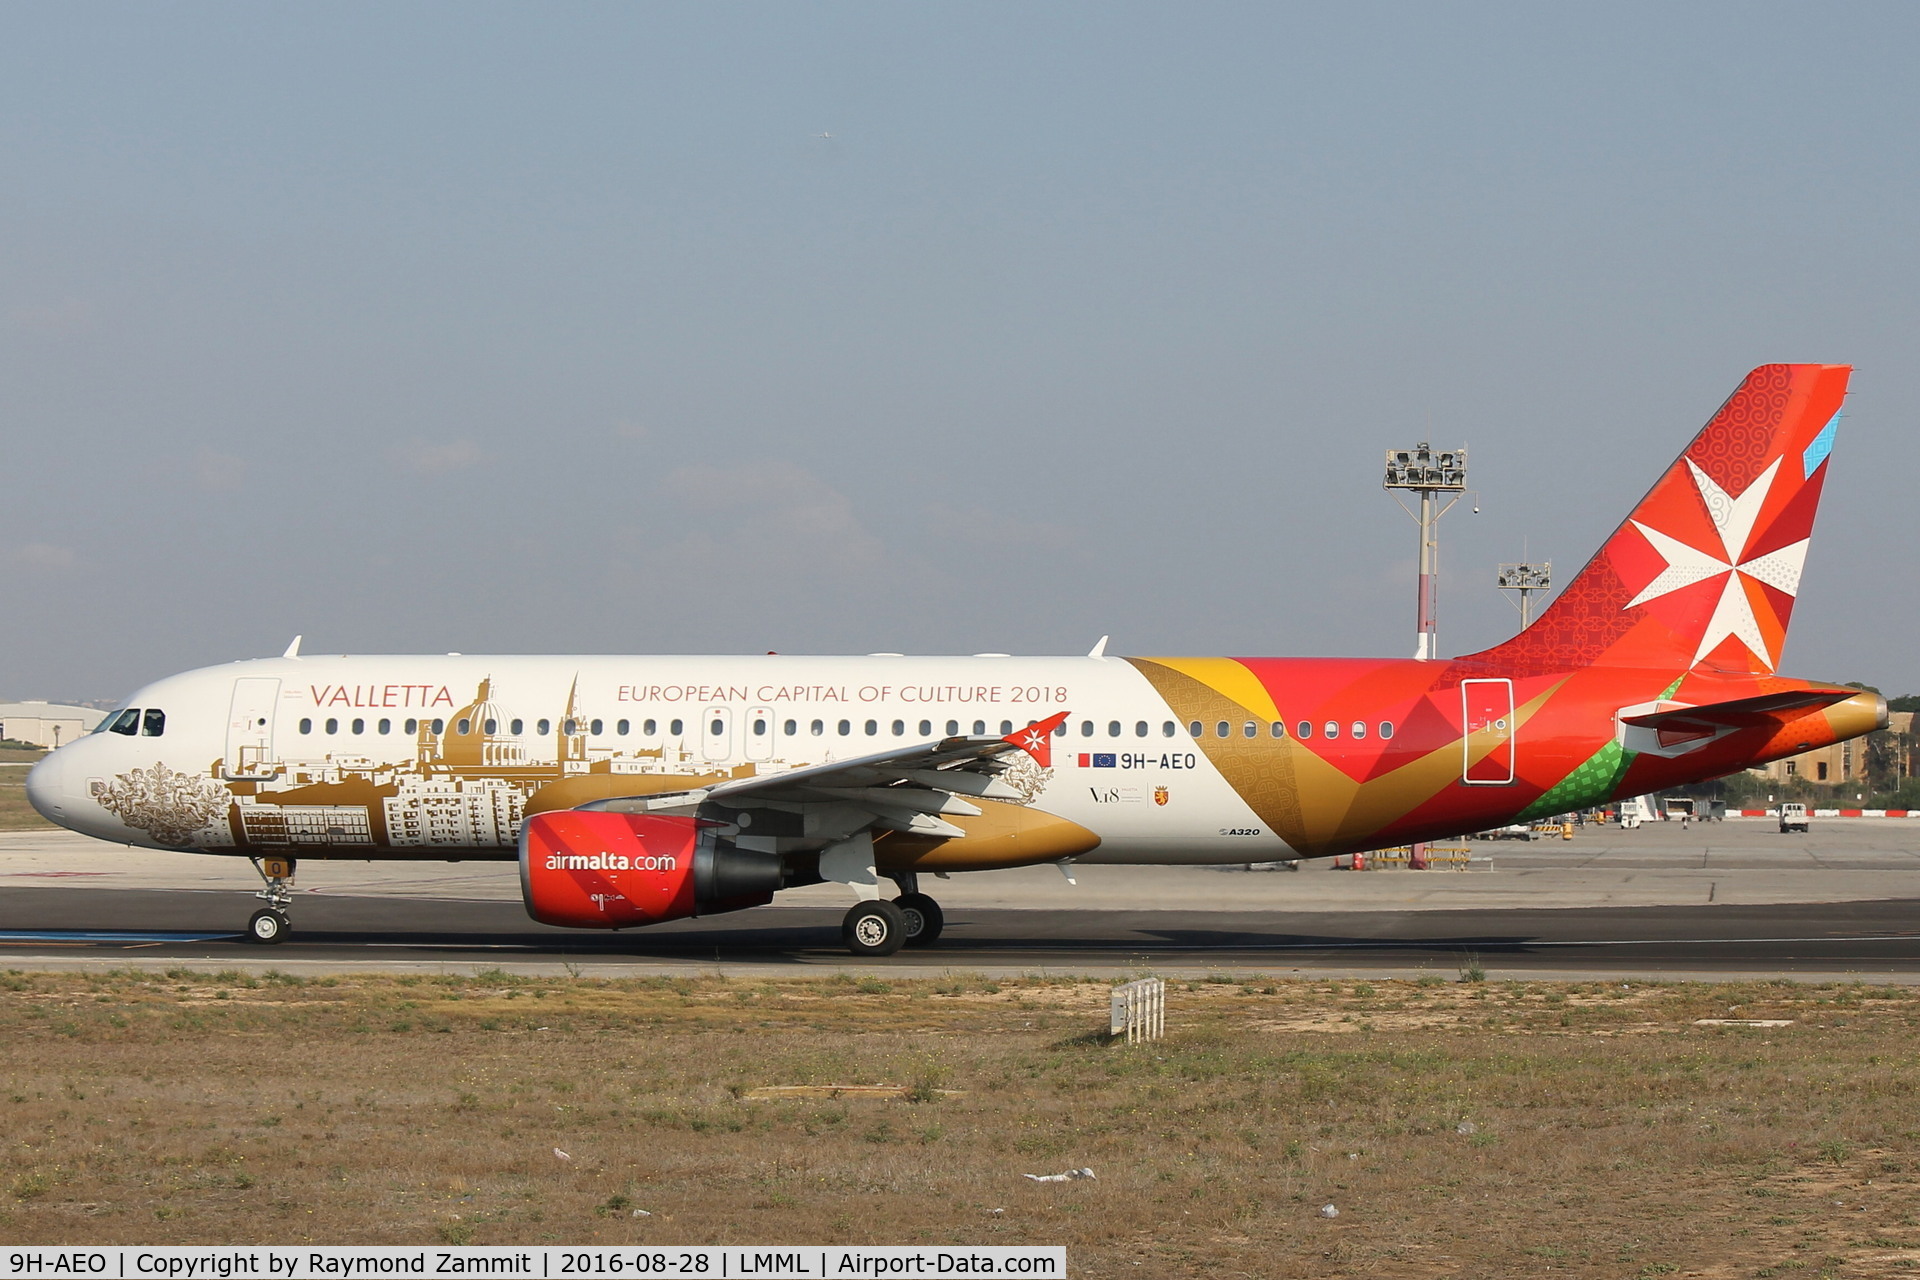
929	327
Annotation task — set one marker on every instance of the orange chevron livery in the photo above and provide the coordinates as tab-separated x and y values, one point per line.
634	790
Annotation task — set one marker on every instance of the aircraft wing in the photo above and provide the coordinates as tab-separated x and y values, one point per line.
904	789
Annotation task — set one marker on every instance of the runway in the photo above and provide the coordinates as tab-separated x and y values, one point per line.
161	927
1728	901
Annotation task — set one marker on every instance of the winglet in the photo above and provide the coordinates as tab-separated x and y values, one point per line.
293	650
1037	739
1099	650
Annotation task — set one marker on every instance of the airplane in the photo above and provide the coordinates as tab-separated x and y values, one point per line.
635	790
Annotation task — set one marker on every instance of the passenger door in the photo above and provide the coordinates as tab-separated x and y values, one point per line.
1487	713
250	728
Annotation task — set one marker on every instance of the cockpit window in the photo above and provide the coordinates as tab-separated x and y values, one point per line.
127	722
153	722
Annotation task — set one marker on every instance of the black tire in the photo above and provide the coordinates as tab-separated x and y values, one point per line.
268	927
874	929
924	918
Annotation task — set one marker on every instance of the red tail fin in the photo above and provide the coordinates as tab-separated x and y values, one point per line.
1705	571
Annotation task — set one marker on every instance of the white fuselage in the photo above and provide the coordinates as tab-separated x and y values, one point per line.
437	757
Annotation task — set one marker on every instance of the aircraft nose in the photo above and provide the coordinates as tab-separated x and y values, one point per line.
46	788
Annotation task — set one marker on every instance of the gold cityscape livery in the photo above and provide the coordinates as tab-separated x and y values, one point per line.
634	790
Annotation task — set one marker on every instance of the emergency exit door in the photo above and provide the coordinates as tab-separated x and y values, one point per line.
250	728
1487	707
716	734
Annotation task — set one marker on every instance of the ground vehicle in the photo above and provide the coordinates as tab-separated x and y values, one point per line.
1793	817
1634	811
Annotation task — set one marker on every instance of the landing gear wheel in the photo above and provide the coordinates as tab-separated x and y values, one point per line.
874	929
924	918
268	927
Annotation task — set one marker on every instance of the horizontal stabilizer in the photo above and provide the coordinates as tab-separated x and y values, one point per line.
1741	713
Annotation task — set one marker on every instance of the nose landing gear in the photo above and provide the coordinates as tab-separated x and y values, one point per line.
269	924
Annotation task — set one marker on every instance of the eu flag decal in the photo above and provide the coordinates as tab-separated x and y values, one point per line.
1105	760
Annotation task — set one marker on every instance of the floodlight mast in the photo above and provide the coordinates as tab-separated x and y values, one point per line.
1525	579
1432	474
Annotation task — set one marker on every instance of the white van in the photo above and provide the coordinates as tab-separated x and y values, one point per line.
1793	817
1634	812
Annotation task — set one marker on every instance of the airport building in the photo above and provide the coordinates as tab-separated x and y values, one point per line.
1847	761
46	724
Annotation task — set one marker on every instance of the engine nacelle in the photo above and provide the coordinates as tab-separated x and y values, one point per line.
583	869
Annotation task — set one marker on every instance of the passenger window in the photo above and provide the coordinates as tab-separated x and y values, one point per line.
490	726
127	722
333	726
979	728
1113	728
1140	729
153	723
439	726
953	728
1086	728
817	728
1168	729
1222	729
845	727
873	728
1359	728
623	727
926	728
412	726
1195	729
543	727
1331	728
1250	730
306	725
759	727
718	727
1059	730
649	727
1304	728
675	728
596	728
1006	727
463	726
790	728
899	728
1278	729
359	726
569	727
1386	728
386	726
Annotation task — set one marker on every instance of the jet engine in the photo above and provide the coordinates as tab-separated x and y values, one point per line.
584	869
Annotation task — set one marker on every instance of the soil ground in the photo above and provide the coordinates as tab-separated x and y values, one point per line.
1459	1127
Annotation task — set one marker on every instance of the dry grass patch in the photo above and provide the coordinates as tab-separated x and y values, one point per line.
1462	1128
15	813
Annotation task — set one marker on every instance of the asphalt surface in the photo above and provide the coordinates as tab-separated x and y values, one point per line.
159	927
1730	901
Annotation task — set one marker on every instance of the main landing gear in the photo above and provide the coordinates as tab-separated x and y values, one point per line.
880	928
269	924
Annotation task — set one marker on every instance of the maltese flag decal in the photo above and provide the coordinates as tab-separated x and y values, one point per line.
1037	739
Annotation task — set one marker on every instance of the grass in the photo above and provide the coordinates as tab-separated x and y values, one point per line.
1478	1128
15	813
